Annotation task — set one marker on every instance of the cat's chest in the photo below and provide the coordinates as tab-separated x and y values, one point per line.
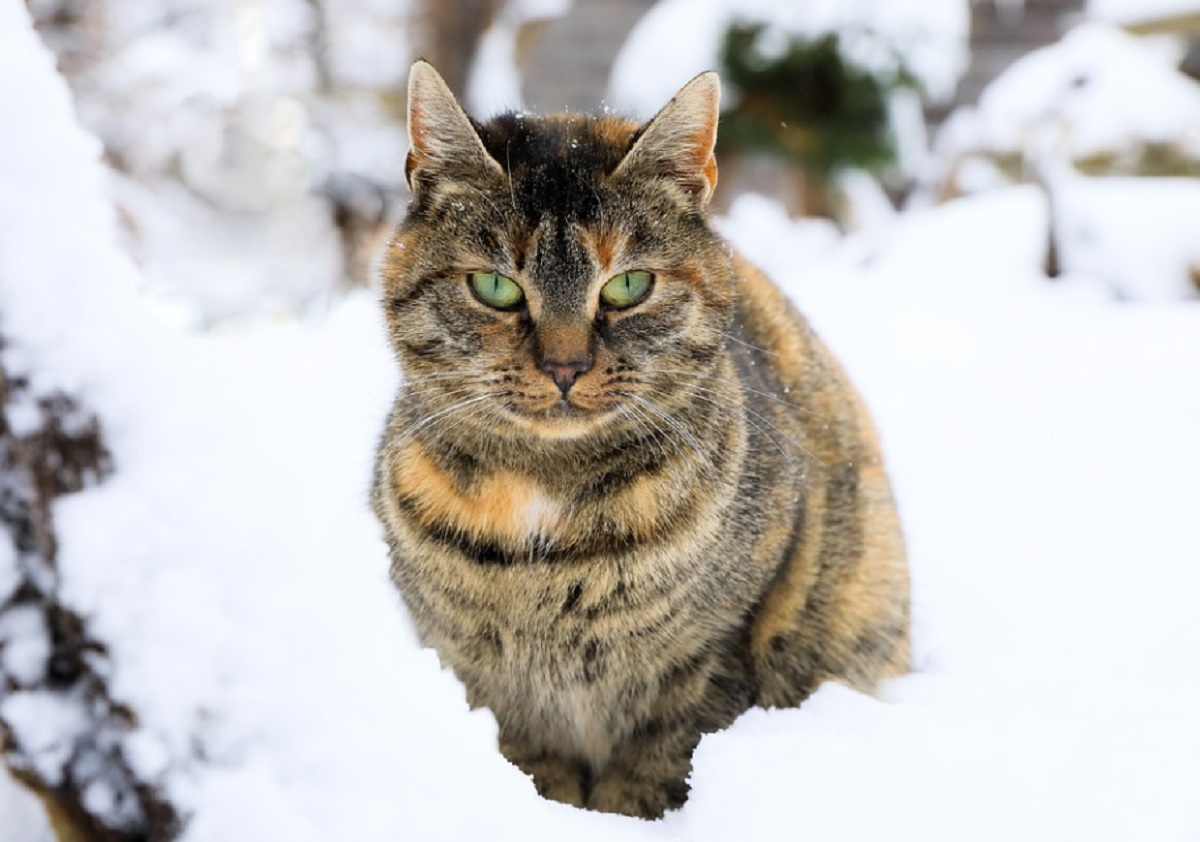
580	667
558	611
505	516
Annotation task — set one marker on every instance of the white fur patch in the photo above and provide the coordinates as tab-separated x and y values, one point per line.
541	514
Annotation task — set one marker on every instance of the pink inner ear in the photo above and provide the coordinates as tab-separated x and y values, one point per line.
410	164
431	110
710	173
440	133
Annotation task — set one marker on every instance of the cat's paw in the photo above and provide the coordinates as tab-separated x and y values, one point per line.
553	777
556	777
641	799
560	785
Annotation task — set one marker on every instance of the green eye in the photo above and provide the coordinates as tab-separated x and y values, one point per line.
626	289
496	290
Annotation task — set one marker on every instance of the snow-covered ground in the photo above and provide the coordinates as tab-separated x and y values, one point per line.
1042	442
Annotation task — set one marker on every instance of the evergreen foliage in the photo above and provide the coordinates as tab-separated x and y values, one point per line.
807	103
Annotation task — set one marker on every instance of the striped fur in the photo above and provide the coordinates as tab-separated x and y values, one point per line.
702	524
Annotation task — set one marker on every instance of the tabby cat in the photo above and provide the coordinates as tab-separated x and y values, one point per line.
627	491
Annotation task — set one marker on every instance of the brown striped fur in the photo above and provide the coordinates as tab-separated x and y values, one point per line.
701	523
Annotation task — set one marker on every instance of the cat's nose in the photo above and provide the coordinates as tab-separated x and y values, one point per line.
565	373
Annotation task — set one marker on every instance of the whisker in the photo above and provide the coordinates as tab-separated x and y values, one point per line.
445	389
425	421
732	406
512	192
744	387
470	418
676	425
440	377
732	412
746	344
653	433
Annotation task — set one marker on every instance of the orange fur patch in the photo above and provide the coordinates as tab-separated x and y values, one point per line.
605	248
639	506
782	610
504	505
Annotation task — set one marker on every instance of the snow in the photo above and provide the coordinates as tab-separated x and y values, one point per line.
21	814
1098	97
1135	11
25	654
1039	437
678	39
255	105
1097	92
494	82
9	580
1101	97
1035	442
1139	236
48	725
1089	93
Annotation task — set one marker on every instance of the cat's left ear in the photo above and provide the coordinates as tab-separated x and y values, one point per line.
679	141
442	141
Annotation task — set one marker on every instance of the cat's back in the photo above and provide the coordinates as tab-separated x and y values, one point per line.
838	607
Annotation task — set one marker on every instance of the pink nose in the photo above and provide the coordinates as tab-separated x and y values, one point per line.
565	374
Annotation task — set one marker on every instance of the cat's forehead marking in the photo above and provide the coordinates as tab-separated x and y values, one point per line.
558	166
556	163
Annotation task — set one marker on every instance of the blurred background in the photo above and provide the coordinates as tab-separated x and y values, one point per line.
972	199
256	147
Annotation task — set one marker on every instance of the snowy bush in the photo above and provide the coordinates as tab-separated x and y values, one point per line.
237	129
822	88
679	38
1080	118
1099	99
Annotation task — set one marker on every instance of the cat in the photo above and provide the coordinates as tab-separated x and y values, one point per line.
627	492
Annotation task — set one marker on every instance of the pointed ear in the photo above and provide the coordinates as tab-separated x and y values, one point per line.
679	140
442	141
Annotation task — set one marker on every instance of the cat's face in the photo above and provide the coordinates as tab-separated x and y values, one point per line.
557	275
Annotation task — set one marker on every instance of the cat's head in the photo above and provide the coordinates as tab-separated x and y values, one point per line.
558	275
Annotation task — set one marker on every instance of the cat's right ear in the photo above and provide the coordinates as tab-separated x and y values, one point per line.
679	141
442	141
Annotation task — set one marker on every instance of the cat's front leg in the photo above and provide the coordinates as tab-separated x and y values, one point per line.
647	775
555	777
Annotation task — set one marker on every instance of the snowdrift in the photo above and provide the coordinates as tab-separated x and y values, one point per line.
244	671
